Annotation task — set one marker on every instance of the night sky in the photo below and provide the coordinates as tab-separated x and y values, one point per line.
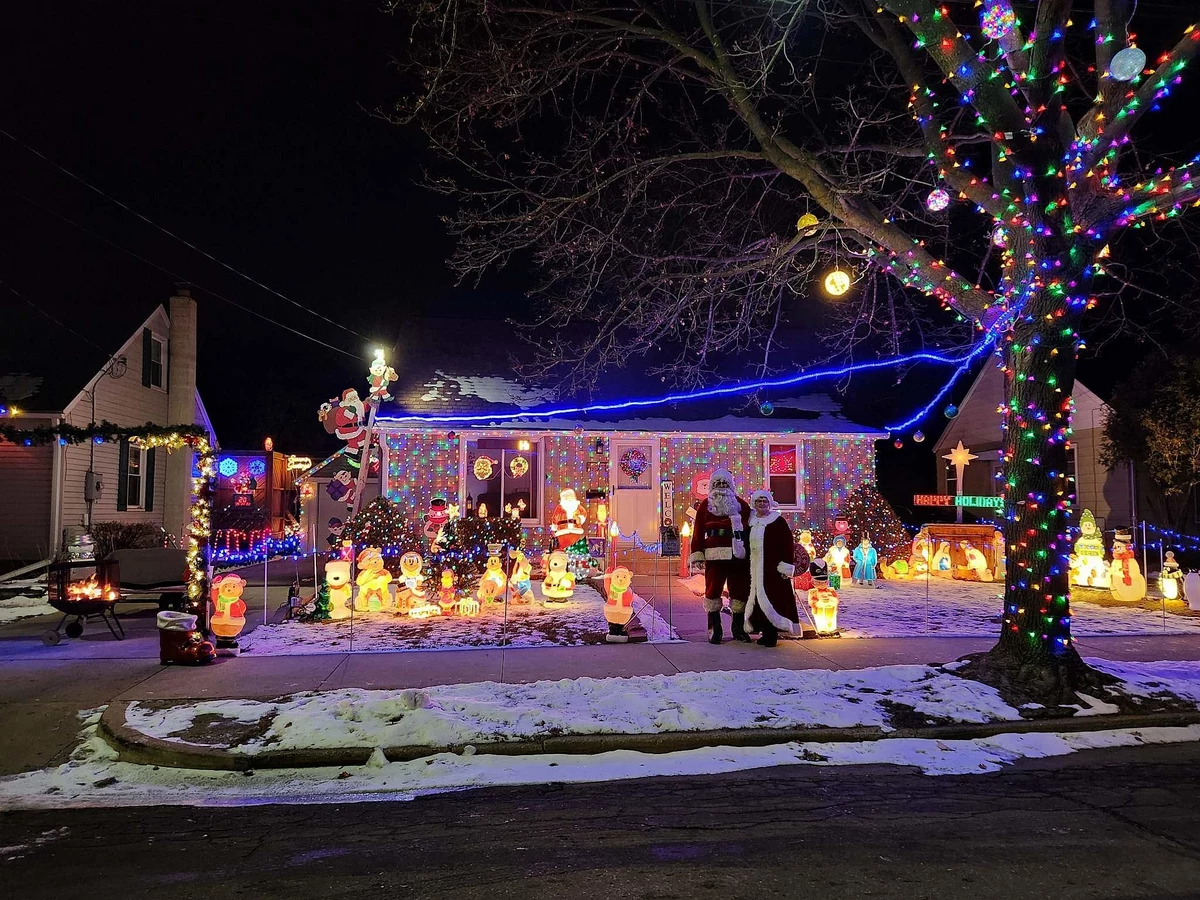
246	128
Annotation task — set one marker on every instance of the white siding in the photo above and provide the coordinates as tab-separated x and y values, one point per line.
122	401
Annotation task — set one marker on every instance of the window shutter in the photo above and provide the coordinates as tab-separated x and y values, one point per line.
123	475
146	338
148	481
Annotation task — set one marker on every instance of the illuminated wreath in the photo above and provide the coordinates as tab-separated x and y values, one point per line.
518	465
483	468
634	463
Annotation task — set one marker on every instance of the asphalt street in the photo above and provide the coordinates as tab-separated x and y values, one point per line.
1123	823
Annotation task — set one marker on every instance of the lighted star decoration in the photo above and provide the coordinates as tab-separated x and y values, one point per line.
960	457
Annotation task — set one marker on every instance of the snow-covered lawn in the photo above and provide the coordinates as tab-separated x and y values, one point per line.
94	776
578	621
460	714
29	599
944	607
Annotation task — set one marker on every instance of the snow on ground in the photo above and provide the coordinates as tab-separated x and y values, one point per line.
455	715
23	598
1150	679
578	621
944	607
94	776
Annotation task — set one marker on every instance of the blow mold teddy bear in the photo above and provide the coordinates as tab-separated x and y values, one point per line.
560	583
337	579
229	612
373	580
618	606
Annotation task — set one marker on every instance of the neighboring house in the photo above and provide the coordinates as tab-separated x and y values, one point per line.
1109	495
646	467
64	374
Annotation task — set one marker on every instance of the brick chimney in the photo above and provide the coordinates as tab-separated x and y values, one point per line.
181	408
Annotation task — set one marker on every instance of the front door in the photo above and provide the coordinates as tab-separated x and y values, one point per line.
635	487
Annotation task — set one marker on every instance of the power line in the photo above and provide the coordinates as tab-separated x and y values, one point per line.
176	237
60	324
175	277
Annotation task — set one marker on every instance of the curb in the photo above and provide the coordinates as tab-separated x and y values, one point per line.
135	747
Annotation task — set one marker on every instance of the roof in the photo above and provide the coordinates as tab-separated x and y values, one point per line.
449	367
46	361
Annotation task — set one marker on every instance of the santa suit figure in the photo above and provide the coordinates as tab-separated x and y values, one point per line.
567	521
719	543
343	418
771	607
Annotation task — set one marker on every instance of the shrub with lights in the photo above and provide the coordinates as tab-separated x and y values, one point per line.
463	548
384	524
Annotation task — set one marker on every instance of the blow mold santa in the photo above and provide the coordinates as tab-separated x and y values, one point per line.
567	521
719	545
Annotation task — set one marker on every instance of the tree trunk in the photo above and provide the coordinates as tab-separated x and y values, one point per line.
1039	499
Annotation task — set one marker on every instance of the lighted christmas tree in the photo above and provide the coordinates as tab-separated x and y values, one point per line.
870	515
463	547
385	525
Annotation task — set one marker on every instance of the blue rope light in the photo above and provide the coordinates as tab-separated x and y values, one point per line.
723	391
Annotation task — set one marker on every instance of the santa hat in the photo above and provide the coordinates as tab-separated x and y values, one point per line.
721	475
765	495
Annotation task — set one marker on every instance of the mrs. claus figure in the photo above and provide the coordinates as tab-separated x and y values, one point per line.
772	604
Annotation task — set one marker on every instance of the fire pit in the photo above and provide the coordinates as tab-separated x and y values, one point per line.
83	588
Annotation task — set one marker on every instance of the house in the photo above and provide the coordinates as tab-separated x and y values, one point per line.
1109	495
645	467
127	366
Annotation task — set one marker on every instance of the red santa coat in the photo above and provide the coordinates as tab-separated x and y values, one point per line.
772	599
719	538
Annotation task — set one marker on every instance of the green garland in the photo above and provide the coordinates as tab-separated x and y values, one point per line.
107	431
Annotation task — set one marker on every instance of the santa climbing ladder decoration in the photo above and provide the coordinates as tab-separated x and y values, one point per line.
352	419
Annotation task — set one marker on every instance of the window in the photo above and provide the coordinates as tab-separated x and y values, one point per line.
152	360
951	479
785	474
133	479
503	474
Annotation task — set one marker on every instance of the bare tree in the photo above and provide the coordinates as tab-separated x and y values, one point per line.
658	160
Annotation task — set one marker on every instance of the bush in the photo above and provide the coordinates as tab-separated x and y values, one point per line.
110	536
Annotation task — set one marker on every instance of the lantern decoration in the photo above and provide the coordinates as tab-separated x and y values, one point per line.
998	19
767	408
484	468
560	583
268	444
822	600
937	200
837	283
409	585
337	580
1088	567
1127	64
373	580
229	612
1171	577
634	463
1125	574
618	605
918	437
950	411
518	466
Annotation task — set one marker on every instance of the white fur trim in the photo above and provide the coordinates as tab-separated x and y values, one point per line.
758	587
712	605
787	570
718	554
696	557
764	521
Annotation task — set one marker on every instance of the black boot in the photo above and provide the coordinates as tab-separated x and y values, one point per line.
770	636
714	627
739	629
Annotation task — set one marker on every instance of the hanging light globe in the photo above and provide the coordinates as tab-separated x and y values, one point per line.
918	437
1127	64
1000	237
897	443
951	411
937	200
767	408
998	19
837	283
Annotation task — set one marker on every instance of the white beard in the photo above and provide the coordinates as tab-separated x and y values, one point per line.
722	502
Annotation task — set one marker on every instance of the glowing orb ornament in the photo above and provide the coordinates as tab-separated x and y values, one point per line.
767	408
837	283
950	411
937	200
1000	238
897	443
998	19
918	437
1127	64
806	221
